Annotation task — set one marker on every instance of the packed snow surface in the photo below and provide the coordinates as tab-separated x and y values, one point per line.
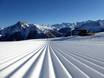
73	57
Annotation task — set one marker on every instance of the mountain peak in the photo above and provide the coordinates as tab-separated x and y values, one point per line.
22	24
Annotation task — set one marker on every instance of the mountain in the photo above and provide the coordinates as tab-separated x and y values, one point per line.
63	25
65	31
53	33
92	26
44	28
23	31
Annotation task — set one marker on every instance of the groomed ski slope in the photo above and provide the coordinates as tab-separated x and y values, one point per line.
54	58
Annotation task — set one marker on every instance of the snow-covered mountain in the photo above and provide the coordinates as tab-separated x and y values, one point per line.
63	25
44	28
22	30
91	26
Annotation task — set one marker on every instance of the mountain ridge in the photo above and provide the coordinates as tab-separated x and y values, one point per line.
22	30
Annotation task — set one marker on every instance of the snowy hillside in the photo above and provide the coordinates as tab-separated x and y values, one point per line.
52	58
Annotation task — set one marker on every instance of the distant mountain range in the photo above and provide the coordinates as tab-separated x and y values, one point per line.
23	31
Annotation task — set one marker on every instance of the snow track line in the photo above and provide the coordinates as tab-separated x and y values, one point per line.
60	70
52	59
97	59
20	66
85	68
86	61
17	60
10	62
16	57
27	66
47	67
73	69
35	68
90	59
91	64
100	63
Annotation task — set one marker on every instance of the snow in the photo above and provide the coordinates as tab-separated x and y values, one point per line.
0	35
44	27
72	57
24	25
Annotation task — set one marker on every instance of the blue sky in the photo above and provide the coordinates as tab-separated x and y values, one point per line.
50	11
